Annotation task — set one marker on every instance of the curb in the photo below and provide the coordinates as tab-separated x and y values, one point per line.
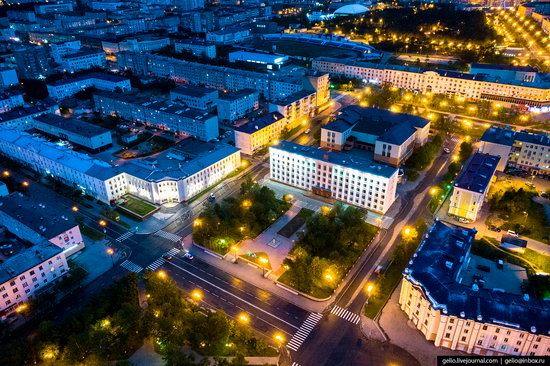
296	292
208	251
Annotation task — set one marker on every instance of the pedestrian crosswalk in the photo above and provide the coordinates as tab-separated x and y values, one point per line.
173	251
295	364
167	235
346	314
302	333
156	264
124	236
131	266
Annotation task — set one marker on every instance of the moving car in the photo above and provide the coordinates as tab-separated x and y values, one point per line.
188	256
512	233
446	150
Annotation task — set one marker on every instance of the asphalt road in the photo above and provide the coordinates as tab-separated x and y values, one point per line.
268	313
332	342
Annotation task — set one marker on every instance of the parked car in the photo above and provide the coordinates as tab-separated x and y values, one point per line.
543	194
530	185
463	220
494	228
188	256
446	150
513	233
307	131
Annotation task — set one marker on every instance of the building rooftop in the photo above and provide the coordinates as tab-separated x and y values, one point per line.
264	58
94	75
195	41
7	93
293	97
337	158
71	125
503	67
83	52
229	30
478	172
193	90
260	123
238	94
23	112
436	268
505	136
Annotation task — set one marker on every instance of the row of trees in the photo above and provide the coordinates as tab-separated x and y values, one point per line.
329	246
223	224
425	155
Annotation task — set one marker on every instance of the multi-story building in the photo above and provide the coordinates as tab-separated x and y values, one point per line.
47	8
392	136
197	47
175	175
228	35
83	134
28	270
444	301
259	133
37	216
145	43
164	114
194	96
334	175
523	150
33	62
63	48
297	107
8	77
67	87
10	99
526	74
22	118
236	105
83	59
266	60
535	94
472	185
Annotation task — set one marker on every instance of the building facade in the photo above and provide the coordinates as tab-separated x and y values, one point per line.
10	100
65	88
297	108
472	185
259	133
197	47
335	175
83	60
194	96
236	105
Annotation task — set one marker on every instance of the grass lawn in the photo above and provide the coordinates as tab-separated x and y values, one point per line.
320	292
137	206
255	257
303	49
91	232
297	221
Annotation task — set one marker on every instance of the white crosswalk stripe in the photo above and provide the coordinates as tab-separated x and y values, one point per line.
295	364
156	264
346	314
124	236
167	235
300	336
173	251
131	266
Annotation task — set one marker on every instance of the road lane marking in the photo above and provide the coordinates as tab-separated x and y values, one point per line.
346	315
301	335
235	296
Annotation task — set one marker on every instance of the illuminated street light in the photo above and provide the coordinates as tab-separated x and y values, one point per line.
329	277
25	183
197	222
196	295
6	173
236	249
246	203
74	208
279	338
455	157
21	308
102	223
433	191
162	274
264	261
407	230
244	318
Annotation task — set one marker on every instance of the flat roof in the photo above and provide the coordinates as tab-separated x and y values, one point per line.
478	172
436	270
71	125
23	112
506	136
260	123
193	90
94	75
195	42
241	93
265	57
503	67
83	52
337	158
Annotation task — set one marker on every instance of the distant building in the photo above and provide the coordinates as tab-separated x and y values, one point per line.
260	133
164	114
63	48
8	77
145	43
392	136
67	87
269	61
49	8
522	150
10	99
22	119
198	97
83	134
461	315
526	74
472	185
334	175
236	105
197	47
33	62
82	60
228	35
297	108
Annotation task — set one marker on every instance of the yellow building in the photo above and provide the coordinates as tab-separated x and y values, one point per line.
454	313
262	132
472	185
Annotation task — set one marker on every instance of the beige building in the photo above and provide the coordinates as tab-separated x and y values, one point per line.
260	133
472	185
297	108
450	311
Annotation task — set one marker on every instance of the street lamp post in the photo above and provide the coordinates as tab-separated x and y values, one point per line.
235	252
264	262
369	292
111	252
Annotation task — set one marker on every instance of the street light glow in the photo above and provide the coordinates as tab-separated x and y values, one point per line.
197	222
197	295
25	183
74	208
244	318
110	251
6	173
102	223
279	338
162	274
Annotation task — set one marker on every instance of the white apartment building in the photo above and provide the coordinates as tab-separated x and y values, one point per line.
64	48
23	118
67	87
82	60
236	105
452	311
259	133
197	47
145	43
10	100
175	175
194	96
334	175
297	107
523	150
472	185
27	271
535	94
